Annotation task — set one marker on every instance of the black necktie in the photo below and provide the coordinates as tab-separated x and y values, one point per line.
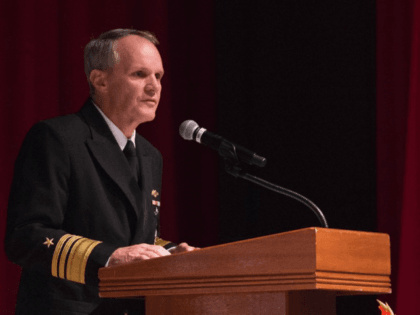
130	153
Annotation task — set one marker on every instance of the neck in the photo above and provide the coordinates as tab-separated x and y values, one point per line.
128	131
126	126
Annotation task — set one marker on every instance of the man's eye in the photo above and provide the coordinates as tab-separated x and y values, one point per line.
140	74
158	76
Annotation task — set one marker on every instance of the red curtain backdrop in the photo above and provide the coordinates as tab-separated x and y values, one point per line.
41	64
42	76
398	145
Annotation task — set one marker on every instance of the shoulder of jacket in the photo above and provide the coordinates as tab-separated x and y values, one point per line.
70	127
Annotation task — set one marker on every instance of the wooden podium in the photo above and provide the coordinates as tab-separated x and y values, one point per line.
298	272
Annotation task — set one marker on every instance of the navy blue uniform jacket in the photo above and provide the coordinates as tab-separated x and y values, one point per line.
74	200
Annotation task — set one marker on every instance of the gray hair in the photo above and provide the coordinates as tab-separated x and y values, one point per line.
100	53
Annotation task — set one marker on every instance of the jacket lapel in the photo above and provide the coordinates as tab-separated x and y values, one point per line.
106	151
146	179
146	183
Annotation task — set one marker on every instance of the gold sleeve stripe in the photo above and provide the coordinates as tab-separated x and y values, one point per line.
57	251
83	261
160	242
64	254
76	265
70	257
72	266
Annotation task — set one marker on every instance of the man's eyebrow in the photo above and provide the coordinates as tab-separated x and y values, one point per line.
142	68
138	68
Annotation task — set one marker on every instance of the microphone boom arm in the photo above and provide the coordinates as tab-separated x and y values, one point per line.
234	155
233	168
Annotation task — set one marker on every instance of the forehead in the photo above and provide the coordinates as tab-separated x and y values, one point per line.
136	51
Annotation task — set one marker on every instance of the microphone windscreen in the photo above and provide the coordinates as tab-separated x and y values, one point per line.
187	128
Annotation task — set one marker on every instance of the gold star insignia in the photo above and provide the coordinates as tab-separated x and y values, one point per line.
48	242
155	193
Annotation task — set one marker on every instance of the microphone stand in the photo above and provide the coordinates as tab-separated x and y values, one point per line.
232	165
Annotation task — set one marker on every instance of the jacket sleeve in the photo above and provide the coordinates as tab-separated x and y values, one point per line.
38	200
163	243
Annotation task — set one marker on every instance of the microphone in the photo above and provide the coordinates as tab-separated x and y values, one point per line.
189	130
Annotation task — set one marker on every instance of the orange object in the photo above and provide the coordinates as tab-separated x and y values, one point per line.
385	309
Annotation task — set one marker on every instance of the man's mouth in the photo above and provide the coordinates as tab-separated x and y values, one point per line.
150	101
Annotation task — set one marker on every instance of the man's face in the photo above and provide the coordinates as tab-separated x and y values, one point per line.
134	83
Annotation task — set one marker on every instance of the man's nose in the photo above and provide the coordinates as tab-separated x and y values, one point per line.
152	86
150	89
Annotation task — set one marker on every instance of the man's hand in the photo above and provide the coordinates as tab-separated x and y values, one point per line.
183	247
138	252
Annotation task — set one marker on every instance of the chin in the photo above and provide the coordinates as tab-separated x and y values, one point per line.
146	117
144	114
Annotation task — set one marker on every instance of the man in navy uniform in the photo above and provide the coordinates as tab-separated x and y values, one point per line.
86	188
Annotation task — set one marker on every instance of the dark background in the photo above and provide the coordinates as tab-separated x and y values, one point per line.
296	84
325	90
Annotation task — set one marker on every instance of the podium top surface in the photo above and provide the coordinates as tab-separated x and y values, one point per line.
324	258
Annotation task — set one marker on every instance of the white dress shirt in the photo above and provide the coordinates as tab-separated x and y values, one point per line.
118	134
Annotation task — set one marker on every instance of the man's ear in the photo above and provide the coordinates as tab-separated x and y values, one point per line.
98	78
